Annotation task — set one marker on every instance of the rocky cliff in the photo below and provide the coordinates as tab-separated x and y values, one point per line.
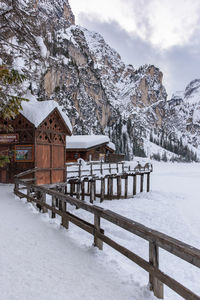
68	63
183	113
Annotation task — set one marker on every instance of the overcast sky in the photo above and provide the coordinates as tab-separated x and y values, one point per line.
165	33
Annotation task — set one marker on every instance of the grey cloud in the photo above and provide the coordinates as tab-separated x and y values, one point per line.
179	65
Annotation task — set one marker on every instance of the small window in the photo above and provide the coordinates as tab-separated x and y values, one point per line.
76	155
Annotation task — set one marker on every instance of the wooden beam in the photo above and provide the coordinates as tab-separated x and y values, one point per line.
102	195
83	190
53	215
134	185
148	182
155	285
126	186
141	183
97	242
119	186
174	246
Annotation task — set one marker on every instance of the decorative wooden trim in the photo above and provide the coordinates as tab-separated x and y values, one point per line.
56	110
60	145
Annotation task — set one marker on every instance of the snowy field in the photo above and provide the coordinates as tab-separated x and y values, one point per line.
40	260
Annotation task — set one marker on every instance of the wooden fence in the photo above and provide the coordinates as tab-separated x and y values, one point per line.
106	181
102	168
59	201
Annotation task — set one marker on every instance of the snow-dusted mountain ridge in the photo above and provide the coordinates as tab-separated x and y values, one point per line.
184	112
77	68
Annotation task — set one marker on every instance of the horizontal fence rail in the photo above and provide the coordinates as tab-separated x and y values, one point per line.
106	181
97	168
157	278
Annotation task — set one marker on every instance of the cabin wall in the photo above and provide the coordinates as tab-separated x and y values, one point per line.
47	145
50	150
26	133
96	153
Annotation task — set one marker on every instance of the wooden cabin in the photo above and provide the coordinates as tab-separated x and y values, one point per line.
38	140
88	147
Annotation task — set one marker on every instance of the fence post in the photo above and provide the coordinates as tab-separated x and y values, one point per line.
78	192
43	199
110	186
65	192
134	184
79	170
72	188
141	182
119	186
126	187
65	221
109	168
102	189
155	285
123	167
53	215
91	171
16	186
97	242
148	182
28	194
117	167
101	167
92	196
83	190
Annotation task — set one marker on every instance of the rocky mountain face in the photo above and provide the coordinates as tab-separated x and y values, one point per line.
74	66
183	113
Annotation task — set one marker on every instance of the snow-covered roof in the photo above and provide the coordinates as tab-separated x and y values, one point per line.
36	111
86	141
111	146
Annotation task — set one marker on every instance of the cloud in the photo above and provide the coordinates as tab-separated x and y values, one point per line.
163	23
179	64
173	22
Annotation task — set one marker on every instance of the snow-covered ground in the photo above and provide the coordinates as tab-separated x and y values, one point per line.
40	260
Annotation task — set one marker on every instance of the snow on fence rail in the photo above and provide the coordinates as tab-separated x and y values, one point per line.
100	168
59	200
109	187
106	181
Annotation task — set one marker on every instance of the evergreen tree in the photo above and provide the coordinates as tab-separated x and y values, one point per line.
164	157
9	104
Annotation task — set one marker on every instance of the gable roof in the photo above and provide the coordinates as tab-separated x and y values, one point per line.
111	146
37	111
86	141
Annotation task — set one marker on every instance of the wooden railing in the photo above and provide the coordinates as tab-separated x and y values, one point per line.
157	278
96	168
